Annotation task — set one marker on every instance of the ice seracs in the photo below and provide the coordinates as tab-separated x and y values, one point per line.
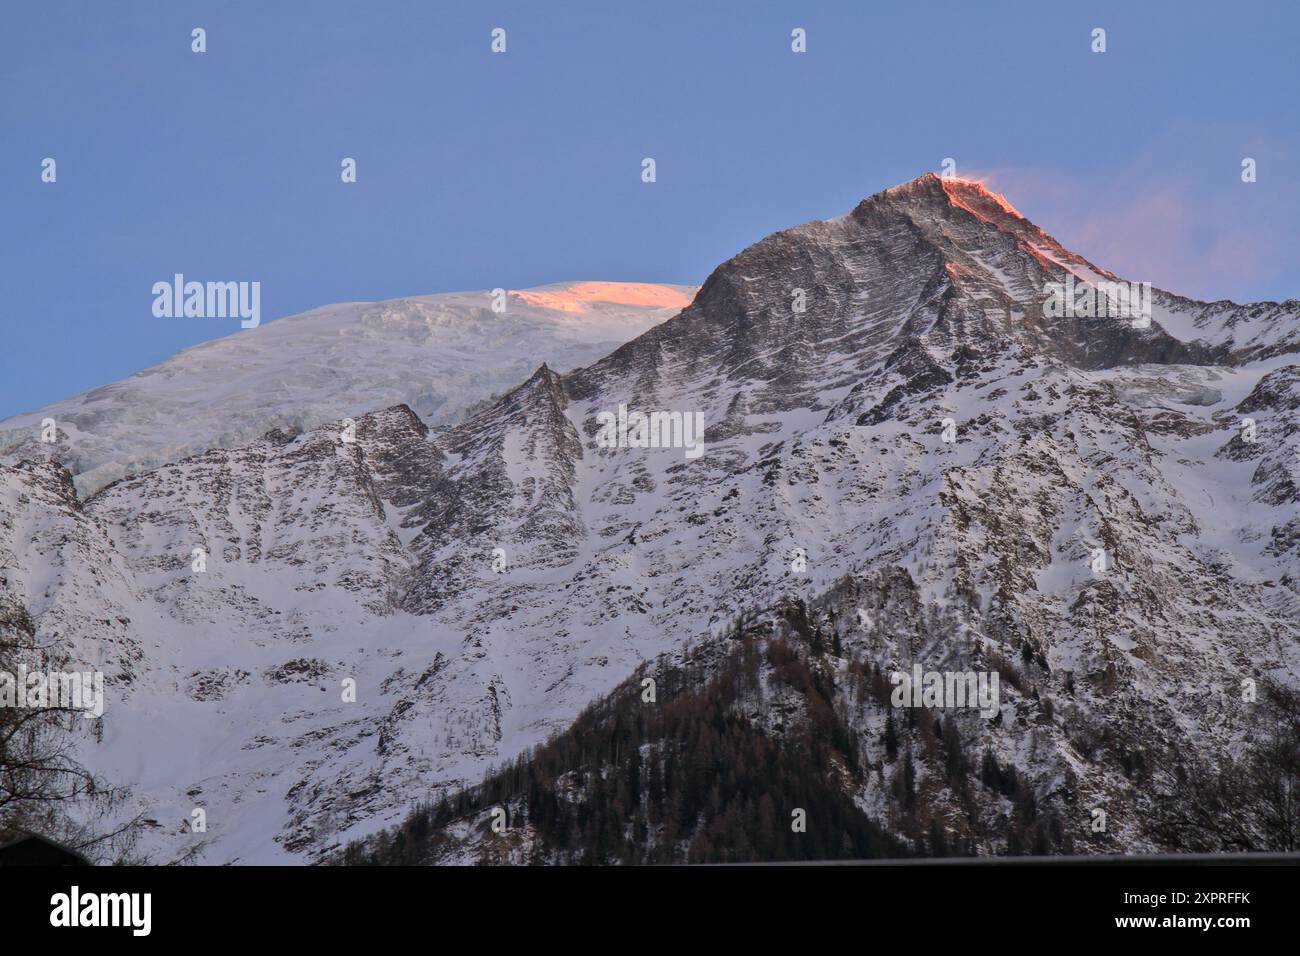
439	354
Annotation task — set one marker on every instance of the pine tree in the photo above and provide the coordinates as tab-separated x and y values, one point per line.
954	757
891	738
938	838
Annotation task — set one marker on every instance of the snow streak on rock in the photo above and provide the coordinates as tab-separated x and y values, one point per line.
483	580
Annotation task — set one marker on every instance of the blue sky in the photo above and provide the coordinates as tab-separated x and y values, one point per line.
478	170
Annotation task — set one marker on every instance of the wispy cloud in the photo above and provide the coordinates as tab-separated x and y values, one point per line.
1177	216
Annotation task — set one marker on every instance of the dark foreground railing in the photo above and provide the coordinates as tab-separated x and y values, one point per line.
1113	859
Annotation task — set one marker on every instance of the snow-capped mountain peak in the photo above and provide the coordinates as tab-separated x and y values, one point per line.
439	354
895	423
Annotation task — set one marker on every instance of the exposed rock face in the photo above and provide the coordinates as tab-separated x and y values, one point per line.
439	354
922	443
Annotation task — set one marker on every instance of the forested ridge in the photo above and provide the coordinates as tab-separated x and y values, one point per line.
680	778
719	756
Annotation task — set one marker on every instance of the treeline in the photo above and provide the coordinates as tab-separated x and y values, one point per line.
742	735
953	809
683	778
1246	802
756	730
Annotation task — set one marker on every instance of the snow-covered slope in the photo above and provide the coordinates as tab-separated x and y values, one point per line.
482	580
439	354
